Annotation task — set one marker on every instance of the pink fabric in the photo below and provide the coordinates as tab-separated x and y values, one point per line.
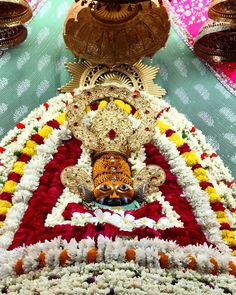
36	5
193	14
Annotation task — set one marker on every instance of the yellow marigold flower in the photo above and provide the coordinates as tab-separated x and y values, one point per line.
1	223
3	210
234	253
19	167
223	220
227	234
191	158
230	241
5	204
120	103
31	144
221	214
9	186
199	171
127	108
102	104
45	131
136	114
61	118
162	126
210	189
202	178
214	197
176	139
29	151
88	109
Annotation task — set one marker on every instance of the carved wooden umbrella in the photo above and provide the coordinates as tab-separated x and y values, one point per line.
116	32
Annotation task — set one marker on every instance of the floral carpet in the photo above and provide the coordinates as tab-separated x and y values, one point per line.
180	239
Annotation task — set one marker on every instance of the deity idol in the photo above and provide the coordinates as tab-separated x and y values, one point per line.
112	134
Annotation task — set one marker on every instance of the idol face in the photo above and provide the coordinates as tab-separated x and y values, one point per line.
114	193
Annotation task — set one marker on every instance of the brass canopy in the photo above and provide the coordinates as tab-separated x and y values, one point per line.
116	37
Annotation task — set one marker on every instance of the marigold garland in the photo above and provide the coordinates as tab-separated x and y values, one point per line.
24	156
200	173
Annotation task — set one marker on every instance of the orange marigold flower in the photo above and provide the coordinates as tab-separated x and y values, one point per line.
92	255
164	260
64	257
130	254
19	267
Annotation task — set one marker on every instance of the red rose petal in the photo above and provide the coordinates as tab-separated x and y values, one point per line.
203	156
20	126
24	158
14	176
6	197
2	150
225	226
46	105
217	206
230	183
54	124
2	217
184	148
197	166
37	138
169	132
205	184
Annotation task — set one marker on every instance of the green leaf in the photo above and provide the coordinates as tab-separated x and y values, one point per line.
184	134
17	153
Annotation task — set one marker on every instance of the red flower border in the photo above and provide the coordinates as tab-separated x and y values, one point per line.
33	230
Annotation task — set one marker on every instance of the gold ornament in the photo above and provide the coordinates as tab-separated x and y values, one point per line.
216	41
111	129
13	14
138	76
111	137
223	11
116	37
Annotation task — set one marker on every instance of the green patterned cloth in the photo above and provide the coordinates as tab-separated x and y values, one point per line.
32	73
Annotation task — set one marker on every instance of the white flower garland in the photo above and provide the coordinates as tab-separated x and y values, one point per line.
122	278
196	196
147	253
29	182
